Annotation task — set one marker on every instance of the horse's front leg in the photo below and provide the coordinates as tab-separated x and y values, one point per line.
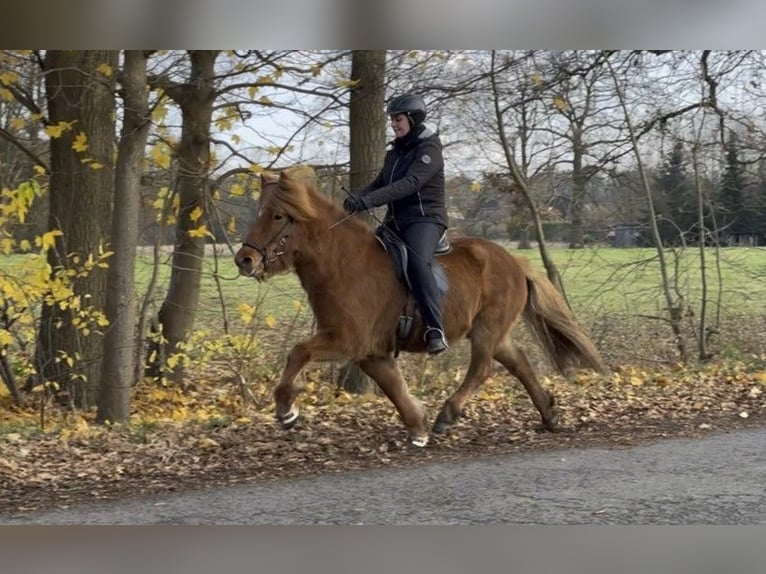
321	346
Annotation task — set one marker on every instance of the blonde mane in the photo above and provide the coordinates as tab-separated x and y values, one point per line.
295	192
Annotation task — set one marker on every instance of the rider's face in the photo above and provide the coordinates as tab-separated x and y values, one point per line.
400	123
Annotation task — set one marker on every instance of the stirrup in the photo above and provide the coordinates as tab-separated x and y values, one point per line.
435	340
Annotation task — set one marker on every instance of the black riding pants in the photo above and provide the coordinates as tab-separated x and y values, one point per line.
421	239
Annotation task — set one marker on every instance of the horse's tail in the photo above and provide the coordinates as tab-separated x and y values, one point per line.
547	314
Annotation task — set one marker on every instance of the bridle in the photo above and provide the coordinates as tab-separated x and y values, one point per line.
280	238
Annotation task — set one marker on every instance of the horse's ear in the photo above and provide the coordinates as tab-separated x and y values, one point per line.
284	177
269	177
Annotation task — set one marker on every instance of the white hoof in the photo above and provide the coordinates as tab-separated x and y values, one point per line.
289	418
419	441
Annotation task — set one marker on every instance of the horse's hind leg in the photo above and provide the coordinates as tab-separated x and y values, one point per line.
386	373
478	371
513	358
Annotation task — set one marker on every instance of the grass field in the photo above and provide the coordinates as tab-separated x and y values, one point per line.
614	292
598	282
608	288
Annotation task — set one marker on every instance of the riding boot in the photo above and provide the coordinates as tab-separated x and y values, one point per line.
435	340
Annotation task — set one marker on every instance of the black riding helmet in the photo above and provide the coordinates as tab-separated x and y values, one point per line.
410	104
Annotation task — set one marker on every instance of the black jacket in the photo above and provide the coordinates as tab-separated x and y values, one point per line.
411	181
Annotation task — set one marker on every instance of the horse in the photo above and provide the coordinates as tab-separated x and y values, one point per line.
357	299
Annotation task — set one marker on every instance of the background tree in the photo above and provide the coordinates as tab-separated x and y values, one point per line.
81	107
195	98
675	202
519	151
591	137
367	131
731	213
118	375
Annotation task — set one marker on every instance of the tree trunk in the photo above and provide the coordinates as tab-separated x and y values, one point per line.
79	90
120	343
367	137
579	179
520	179
195	99
524	240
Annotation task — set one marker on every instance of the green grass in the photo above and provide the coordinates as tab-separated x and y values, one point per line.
609	289
598	282
628	281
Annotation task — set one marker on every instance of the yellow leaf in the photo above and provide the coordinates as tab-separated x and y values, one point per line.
95	165
161	156
264	80
80	143
207	443
475	186
201	231
636	381
231	227
196	213
39	170
246	313
252	90
57	130
237	190
270	320
560	103
348	83
81	423
159	113
5	338
17	123
255	168
760	377
264	100
105	69
223	124
8	77
48	239
7	244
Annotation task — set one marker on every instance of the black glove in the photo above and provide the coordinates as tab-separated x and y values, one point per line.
354	204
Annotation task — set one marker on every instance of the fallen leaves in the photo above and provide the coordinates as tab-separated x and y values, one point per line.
211	436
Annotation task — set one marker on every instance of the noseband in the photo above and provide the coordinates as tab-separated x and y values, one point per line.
280	238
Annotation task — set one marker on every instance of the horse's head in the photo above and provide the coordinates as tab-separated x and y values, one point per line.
265	249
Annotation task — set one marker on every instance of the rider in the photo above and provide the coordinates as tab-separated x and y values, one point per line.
411	185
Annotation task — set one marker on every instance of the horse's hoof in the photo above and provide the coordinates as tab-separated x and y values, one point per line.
289	419
552	425
445	420
441	427
418	441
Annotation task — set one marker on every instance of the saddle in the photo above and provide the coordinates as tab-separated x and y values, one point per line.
399	253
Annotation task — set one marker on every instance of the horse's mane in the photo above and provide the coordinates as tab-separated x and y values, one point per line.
295	192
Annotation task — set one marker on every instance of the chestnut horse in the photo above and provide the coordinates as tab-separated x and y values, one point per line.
357	299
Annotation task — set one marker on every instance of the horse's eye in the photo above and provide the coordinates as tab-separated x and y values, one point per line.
278	216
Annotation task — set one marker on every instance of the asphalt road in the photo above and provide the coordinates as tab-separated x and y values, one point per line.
719	479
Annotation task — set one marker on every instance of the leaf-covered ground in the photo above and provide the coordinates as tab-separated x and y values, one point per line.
213	436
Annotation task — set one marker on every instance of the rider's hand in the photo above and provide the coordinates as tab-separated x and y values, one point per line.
354	204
